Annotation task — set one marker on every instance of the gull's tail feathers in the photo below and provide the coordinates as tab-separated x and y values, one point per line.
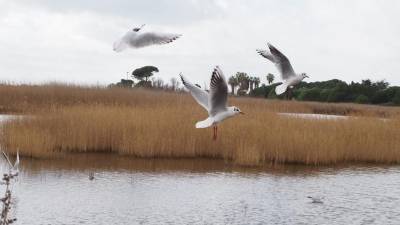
280	89
205	123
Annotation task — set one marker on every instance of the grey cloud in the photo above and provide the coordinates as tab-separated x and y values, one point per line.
72	40
151	11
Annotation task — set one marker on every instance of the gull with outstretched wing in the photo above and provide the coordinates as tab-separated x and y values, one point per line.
214	101
137	39
282	63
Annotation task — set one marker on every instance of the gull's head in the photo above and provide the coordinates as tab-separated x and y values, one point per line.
304	75
235	110
137	29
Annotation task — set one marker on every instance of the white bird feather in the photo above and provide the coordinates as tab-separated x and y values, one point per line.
284	67
135	38
214	102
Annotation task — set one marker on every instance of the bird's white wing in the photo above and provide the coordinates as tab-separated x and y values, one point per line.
198	94
281	62
266	55
152	38
120	45
218	92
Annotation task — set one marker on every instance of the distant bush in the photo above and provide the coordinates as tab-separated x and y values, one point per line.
312	94
336	90
396	98
362	99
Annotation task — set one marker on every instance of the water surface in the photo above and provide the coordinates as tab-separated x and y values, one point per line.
131	191
314	116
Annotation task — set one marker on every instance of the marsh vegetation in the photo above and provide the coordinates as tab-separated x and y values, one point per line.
159	124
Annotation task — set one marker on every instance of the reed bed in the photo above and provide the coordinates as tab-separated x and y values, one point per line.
34	99
153	124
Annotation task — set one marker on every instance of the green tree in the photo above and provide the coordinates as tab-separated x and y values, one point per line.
243	80
396	97
271	93
251	83
125	83
233	82
270	78
362	99
256	82
384	95
144	73
312	94
324	95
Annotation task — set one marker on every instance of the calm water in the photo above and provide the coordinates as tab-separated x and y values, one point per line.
314	116
128	191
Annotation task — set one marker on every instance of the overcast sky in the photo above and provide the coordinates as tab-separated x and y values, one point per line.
71	41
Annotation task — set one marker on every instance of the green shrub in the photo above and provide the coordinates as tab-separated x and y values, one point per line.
362	99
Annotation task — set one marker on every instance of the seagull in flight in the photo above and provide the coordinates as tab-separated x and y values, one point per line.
214	101
282	63
137	39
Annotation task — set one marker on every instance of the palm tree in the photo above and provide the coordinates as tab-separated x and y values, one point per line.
243	80
257	81
270	78
233	81
251	83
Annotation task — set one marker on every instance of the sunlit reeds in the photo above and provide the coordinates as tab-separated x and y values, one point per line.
151	124
28	99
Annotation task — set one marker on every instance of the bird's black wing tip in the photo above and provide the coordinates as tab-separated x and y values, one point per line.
182	79
260	51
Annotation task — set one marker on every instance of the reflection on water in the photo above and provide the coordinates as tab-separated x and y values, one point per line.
314	116
129	191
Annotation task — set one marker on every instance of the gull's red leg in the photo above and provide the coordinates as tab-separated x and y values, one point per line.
215	133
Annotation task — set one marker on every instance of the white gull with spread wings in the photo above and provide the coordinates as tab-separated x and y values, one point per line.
215	101
282	63
137	39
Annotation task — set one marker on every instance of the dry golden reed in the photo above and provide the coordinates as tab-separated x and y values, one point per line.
154	124
28	99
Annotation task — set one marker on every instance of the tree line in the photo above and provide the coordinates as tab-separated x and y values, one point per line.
242	84
364	92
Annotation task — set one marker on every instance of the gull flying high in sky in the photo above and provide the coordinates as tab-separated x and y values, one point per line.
135	38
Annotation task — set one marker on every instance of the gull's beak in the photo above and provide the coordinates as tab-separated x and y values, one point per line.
241	112
138	28
307	76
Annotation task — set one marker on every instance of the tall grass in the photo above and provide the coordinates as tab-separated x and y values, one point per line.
28	99
152	124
